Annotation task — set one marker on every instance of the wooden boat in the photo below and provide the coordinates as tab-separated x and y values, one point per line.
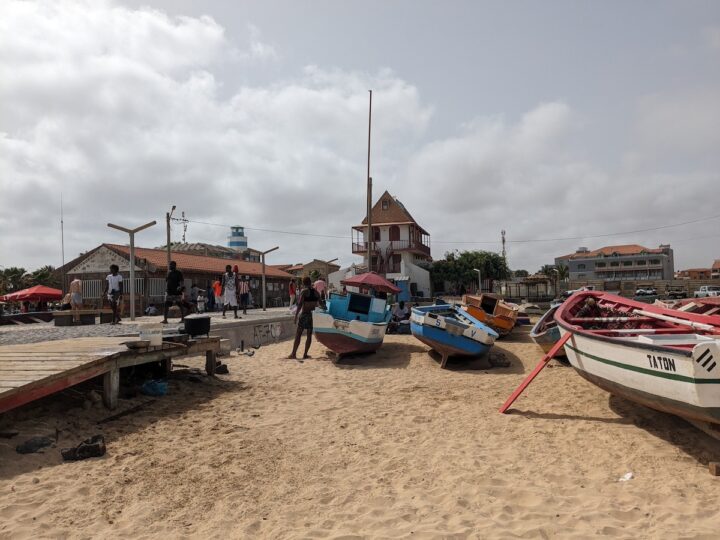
352	323
546	333
662	358
492	310
451	331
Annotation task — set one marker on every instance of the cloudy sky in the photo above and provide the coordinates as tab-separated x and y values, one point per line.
556	121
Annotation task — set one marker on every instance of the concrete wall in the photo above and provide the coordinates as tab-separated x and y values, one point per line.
256	333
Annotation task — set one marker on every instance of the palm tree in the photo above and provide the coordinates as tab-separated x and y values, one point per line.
547	270
563	272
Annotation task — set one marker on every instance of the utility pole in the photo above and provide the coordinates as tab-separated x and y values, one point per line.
369	192
62	244
262	256
168	215
132	232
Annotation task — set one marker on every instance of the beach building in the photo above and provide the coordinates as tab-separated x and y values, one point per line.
400	247
308	269
151	269
694	273
620	263
212	250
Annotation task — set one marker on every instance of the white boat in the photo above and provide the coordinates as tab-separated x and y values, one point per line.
666	359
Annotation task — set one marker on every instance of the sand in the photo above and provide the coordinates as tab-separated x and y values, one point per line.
385	446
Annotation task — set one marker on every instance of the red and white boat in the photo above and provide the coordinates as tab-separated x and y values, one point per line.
666	359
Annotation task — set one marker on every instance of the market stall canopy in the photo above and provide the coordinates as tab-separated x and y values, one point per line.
33	294
371	280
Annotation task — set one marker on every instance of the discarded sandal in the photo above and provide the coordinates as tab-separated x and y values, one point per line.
92	447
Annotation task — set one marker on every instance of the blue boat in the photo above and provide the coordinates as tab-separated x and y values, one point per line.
352	323
451	331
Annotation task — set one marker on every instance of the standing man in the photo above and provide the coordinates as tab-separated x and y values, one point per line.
229	291
173	294
194	292
113	289
307	302
320	287
76	298
244	292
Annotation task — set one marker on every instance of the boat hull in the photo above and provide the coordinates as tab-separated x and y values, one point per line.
348	337
545	337
664	379
501	324
447	344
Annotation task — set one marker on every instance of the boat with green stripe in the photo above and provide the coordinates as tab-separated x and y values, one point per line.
665	359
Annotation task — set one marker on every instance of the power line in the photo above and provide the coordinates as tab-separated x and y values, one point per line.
471	242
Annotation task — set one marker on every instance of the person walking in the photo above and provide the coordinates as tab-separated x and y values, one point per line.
244	293
173	293
217	292
229	291
307	301
113	289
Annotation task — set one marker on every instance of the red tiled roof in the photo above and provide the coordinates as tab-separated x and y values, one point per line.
396	213
198	263
625	249
716	264
295	267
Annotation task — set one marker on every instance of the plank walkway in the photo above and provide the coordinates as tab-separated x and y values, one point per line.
35	370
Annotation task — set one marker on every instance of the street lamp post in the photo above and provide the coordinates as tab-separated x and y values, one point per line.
262	256
132	232
479	280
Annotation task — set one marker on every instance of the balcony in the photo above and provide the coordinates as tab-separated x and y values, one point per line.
394	246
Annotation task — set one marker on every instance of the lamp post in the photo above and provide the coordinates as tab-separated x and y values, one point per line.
168	215
262	256
132	232
479	280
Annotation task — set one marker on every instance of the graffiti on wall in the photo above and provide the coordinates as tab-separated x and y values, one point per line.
266	333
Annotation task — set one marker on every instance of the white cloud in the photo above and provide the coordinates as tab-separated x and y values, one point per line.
120	110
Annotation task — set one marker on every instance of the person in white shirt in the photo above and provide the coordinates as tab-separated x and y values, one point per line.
76	298
113	290
400	312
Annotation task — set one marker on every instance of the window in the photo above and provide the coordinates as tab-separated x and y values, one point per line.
641	263
654	261
600	265
376	234
581	267
394	233
627	263
385	204
615	263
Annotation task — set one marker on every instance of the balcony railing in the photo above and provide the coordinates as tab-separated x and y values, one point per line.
393	245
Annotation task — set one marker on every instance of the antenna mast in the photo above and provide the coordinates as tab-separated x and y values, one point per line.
62	239
502	236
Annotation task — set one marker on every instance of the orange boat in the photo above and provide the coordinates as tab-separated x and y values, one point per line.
492	310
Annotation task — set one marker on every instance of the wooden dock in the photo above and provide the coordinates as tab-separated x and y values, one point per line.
35	370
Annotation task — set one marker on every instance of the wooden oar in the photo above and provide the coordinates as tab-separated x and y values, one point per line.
520	389
667	318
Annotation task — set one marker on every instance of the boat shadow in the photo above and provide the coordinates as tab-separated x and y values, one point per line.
488	364
62	417
680	433
391	355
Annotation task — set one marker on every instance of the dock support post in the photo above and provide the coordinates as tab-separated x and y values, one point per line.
111	388
210	363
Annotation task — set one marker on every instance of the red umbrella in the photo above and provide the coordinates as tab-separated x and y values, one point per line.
371	280
34	294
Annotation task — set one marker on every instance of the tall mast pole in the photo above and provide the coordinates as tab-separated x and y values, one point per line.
62	242
369	192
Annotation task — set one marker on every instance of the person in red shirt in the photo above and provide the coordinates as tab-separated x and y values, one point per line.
293	292
217	291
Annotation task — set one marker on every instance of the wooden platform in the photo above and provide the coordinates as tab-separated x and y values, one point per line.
29	372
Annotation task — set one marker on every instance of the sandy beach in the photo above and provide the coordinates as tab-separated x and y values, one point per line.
383	446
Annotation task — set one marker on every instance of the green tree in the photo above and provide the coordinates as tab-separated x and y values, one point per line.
14	279
563	272
547	270
46	275
314	275
458	268
521	273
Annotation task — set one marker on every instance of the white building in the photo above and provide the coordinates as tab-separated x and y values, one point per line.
399	246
